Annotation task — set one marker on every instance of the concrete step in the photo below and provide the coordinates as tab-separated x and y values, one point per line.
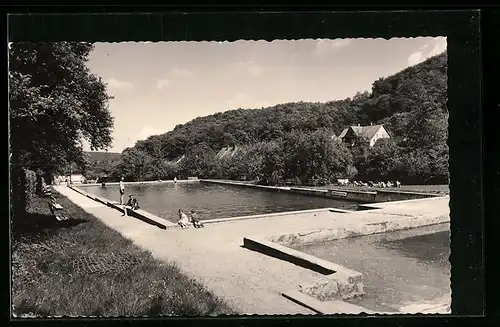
325	307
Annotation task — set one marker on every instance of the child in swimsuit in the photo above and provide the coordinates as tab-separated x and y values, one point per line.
195	220
183	219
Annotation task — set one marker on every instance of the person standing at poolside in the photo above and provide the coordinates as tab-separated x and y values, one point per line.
122	190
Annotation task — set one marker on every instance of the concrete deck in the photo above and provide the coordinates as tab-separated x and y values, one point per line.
251	282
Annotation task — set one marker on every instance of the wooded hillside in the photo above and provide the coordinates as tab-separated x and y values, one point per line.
411	104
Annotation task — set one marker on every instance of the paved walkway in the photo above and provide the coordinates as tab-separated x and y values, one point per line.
250	282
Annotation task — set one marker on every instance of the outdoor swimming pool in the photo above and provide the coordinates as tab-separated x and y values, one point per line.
399	268
215	200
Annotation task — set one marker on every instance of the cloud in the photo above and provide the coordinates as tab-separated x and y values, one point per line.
180	72
116	84
421	55
245	101
425	46
147	131
251	68
255	70
325	46
415	58
438	48
163	83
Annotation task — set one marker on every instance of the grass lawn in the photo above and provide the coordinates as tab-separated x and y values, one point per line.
88	269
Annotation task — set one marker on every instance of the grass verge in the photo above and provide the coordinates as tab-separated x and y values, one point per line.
88	269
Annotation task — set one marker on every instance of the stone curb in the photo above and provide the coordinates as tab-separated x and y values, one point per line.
338	282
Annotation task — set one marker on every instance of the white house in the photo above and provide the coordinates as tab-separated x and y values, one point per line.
367	134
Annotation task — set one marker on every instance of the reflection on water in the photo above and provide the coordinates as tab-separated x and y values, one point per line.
215	201
398	268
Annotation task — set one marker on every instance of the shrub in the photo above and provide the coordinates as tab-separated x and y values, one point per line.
23	191
30	185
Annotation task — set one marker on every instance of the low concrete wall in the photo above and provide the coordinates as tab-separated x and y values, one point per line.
309	191
358	196
143	182
267	215
338	282
240	184
139	214
144	216
325	235
333	194
340	194
160	222
392	195
296	257
325	307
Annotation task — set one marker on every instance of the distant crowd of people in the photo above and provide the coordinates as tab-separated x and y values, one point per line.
371	184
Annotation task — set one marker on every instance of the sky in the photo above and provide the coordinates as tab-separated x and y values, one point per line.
157	86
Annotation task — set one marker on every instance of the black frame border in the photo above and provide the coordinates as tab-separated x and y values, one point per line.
462	29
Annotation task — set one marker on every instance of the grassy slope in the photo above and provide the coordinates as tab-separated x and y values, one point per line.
44	281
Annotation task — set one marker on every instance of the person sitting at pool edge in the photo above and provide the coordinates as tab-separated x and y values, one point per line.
195	220
132	204
183	219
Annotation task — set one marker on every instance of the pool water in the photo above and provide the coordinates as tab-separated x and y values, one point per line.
215	200
399	268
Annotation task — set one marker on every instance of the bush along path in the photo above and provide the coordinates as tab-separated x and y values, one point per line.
87	269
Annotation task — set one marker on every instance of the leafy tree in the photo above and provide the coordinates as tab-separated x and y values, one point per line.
314	156
273	163
55	103
135	165
199	161
382	161
99	169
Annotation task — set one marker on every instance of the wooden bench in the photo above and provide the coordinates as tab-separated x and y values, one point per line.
57	213
46	191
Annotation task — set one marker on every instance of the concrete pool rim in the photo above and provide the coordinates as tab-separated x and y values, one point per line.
164	223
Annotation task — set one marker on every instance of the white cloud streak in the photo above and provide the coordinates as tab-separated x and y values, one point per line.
245	101
147	131
180	72
116	84
163	84
326	46
251	68
421	55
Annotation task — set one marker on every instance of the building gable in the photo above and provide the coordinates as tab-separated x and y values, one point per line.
369	134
